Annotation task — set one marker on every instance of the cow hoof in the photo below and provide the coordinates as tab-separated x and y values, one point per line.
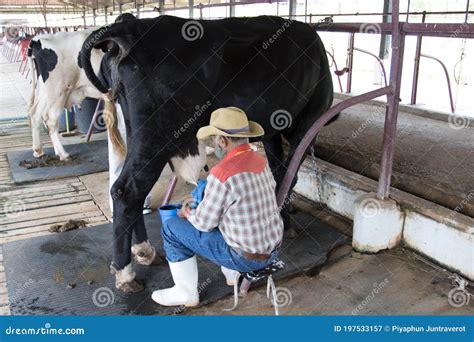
149	260
145	254
130	286
65	158
38	153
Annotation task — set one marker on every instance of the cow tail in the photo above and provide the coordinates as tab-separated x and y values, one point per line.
110	118
100	36
31	62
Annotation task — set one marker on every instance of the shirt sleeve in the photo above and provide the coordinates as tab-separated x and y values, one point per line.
208	213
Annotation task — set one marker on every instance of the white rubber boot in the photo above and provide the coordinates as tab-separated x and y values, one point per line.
185	289
231	276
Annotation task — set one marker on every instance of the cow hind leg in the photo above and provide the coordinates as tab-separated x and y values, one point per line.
36	122
276	159
139	174
53	127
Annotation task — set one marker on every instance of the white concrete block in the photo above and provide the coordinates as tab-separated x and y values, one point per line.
451	247
378	224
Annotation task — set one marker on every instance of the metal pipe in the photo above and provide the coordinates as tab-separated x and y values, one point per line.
358	14
313	131
390	126
350	61
94	119
335	66
411	29
382	67
416	70
467	11
170	190
447	79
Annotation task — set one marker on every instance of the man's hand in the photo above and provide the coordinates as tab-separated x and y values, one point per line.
186	208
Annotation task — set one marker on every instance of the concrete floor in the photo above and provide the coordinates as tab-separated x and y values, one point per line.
406	282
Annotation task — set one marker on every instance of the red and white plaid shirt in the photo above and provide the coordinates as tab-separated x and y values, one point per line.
240	201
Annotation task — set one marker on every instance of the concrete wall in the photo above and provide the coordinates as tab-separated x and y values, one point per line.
441	234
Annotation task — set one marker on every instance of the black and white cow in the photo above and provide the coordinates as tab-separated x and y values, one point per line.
160	69
58	83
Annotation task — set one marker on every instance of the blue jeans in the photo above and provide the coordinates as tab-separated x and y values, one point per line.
181	240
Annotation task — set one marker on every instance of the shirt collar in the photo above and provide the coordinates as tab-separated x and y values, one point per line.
236	150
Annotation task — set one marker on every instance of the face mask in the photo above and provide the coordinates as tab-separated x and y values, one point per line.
219	151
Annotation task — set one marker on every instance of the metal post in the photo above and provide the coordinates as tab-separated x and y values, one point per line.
231	10
416	70
385	39
170	190
93	16
467	11
191	9
350	60
93	121
390	127
305	10
120	8
105	13
292	7
84	17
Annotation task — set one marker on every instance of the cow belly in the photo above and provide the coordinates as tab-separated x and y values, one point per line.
190	166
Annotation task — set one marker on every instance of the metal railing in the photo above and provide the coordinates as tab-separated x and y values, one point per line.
398	32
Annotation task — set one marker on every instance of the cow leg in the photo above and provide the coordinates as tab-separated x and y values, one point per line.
36	122
53	127
140	172
276	160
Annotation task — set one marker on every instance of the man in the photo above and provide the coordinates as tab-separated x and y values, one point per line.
237	225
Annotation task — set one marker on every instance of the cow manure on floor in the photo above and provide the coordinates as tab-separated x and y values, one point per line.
69	225
45	161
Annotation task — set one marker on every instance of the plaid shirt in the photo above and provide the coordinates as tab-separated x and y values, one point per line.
240	200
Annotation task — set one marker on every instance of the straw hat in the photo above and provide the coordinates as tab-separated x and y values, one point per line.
230	122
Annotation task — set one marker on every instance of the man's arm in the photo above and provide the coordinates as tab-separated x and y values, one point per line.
207	215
